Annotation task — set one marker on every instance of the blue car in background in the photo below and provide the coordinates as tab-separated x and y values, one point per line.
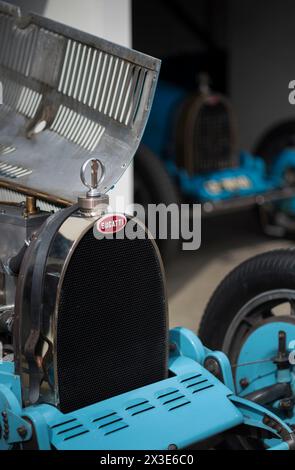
190	153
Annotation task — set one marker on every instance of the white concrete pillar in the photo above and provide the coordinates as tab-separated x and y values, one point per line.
110	19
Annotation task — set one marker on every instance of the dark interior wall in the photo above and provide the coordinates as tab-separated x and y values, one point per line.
257	39
189	36
262	63
159	27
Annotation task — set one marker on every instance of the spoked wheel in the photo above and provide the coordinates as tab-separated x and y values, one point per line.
251	317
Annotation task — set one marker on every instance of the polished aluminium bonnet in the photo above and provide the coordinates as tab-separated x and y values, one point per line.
67	96
71	101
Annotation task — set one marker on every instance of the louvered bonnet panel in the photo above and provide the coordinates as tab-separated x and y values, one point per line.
67	96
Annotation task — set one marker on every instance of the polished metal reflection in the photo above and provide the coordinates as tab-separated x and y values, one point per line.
6	319
63	246
67	96
15	229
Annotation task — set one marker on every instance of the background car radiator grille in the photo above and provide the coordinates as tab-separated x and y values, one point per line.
206	135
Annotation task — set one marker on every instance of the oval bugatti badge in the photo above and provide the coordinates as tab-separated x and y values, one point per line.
111	223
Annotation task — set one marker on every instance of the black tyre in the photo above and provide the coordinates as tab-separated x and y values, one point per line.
153	185
258	292
270	271
276	139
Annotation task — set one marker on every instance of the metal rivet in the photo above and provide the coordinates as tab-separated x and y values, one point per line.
244	382
22	431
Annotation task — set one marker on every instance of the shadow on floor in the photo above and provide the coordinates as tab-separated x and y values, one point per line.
220	235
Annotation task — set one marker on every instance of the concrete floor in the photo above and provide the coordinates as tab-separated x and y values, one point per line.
193	276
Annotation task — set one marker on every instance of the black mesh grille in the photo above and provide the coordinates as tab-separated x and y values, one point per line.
111	330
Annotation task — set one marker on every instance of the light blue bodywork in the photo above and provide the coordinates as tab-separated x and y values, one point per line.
189	407
262	344
252	170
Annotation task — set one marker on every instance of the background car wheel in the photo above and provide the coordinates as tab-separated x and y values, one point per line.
254	302
153	185
275	221
275	139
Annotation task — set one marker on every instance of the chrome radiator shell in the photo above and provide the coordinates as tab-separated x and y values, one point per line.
64	245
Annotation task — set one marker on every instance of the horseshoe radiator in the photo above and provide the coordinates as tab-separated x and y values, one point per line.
103	325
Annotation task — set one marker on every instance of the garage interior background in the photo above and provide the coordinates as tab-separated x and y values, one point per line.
253	65
256	38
